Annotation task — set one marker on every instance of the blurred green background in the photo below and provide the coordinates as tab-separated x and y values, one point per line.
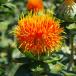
10	10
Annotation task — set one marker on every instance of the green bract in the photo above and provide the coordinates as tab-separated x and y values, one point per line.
67	12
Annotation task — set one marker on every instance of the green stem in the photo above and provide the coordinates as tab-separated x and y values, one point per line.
72	53
3	35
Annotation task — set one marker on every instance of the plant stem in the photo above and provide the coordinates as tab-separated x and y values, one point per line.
3	35
72	53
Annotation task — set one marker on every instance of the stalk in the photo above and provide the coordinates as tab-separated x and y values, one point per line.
72	53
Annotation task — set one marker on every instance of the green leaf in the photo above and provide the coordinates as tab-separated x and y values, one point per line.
3	1
4	25
72	26
74	68
9	5
69	74
12	69
5	42
57	68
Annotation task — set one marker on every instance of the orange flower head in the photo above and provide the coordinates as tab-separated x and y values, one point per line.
69	2
35	5
38	34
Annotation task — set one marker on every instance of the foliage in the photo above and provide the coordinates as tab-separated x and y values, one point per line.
14	63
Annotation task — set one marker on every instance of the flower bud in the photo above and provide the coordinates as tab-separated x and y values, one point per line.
67	11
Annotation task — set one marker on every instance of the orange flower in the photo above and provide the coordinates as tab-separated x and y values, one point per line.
38	34
69	2
35	5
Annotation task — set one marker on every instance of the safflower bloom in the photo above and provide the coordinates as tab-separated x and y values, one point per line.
35	5
38	34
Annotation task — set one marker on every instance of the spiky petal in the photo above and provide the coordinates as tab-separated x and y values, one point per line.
38	34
